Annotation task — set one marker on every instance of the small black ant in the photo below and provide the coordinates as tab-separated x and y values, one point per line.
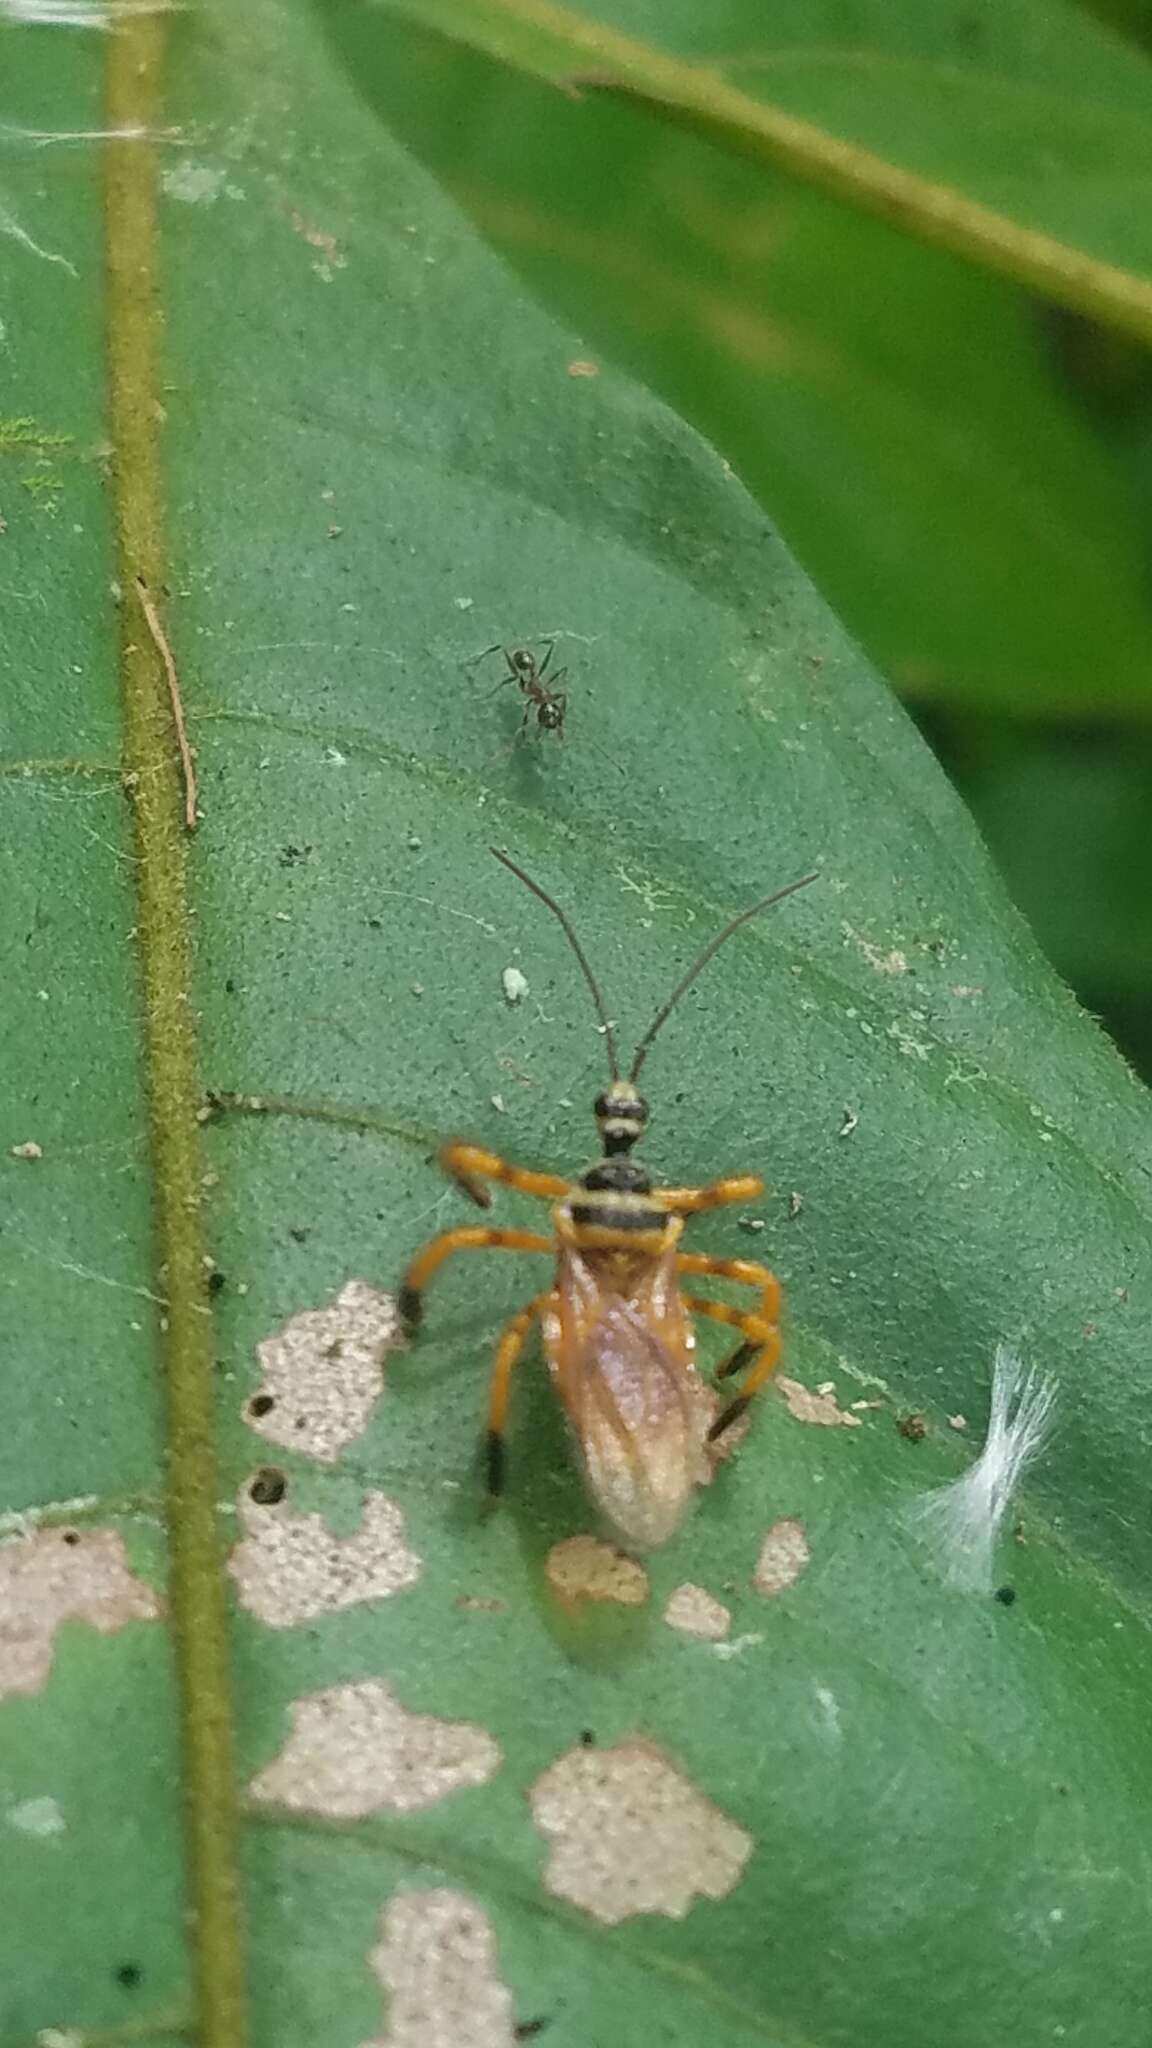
542	701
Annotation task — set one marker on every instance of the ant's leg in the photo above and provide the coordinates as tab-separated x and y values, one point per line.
475	1238
735	1187
471	1165
512	1341
475	659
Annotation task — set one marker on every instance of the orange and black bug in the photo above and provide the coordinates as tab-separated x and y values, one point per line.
542	700
618	1334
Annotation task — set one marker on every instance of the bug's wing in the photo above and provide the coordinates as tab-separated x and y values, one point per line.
624	1371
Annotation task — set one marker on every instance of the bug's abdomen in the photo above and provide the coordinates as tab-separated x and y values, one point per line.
620	1347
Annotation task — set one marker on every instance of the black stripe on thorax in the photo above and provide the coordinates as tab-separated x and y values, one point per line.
610	1216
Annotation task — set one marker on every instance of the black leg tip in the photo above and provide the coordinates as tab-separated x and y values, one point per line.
411	1308
494	1463
742	1356
727	1417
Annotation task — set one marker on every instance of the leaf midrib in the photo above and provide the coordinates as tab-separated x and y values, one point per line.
196	1580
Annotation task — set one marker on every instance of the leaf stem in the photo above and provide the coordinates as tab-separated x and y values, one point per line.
582	55
152	778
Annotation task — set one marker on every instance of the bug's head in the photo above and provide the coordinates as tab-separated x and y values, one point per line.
621	1117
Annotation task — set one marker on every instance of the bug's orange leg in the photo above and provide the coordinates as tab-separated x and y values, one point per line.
758	1332
736	1187
470	1166
748	1271
756	1329
512	1340
471	1238
761	1347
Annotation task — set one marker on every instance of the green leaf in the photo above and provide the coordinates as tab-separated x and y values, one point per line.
859	254
1038	793
356	457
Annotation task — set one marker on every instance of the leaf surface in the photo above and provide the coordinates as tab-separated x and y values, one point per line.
375	461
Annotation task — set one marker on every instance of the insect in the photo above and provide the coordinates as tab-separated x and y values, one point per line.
542	700
617	1329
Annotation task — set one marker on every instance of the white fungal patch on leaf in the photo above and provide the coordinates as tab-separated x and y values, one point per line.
891	961
436	1960
515	985
828	1713
961	1522
58	1575
819	1408
916	1048
738	1646
783	1556
693	1611
585	1568
289	1568
629	1833
39	1817
324	1371
195	183
354	1750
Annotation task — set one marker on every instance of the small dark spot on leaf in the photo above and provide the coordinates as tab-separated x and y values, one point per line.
70	1536
217	1281
267	1486
261	1404
375	924
913	1428
290	855
229	987
1005	1595
587	1737
526	2030
335	1349
129	1975
298	1236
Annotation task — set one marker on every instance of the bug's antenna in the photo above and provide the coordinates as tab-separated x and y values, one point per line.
713	946
577	948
